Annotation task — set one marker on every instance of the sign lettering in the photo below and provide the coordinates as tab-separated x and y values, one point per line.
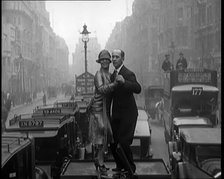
51	111
31	123
85	83
197	91
194	77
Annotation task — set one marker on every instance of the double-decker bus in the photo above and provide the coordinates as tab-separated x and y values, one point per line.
191	98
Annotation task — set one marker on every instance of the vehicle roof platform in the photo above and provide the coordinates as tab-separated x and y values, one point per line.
154	168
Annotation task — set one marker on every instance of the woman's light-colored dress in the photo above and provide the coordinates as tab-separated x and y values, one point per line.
99	124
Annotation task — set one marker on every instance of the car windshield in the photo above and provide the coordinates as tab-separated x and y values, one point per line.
208	152
209	159
185	105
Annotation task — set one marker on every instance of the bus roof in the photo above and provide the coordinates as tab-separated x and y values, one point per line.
201	135
190	86
192	76
54	111
11	145
37	123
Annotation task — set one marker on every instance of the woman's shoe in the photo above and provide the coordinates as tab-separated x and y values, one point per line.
103	168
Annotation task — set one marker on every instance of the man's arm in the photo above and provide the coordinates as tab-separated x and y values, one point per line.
103	88
130	83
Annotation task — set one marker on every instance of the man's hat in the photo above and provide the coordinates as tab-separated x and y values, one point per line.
167	55
180	53
104	54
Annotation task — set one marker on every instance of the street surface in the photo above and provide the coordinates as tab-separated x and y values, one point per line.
159	146
28	108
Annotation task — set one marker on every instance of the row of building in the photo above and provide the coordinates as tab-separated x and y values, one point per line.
33	56
159	27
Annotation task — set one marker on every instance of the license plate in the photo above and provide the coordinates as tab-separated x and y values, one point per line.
31	123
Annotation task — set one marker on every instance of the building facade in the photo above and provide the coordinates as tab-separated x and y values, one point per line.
159	27
28	48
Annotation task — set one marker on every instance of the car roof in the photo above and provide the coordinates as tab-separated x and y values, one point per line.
201	135
195	120
12	144
190	86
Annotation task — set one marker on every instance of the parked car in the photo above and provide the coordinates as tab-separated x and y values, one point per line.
199	154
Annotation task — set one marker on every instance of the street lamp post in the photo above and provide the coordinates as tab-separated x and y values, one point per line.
22	64
85	39
172	46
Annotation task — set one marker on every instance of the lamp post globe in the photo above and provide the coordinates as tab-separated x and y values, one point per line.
85	38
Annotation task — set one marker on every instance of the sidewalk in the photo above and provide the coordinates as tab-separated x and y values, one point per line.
38	98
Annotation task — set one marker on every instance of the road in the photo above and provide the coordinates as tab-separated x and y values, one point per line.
159	146
28	108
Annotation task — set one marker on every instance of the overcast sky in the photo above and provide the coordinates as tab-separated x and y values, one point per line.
68	17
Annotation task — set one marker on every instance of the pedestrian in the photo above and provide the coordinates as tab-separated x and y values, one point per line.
13	99
159	109
181	62
44	99
4	117
8	102
124	112
72	97
167	66
99	128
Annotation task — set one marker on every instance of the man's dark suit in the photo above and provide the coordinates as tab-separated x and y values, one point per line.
124	115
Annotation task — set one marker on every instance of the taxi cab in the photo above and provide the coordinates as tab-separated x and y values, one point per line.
18	159
52	137
199	155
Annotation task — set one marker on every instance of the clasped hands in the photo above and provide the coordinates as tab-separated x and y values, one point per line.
119	79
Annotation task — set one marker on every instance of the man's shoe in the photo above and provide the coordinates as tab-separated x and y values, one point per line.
117	169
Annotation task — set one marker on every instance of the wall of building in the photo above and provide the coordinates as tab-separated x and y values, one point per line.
29	48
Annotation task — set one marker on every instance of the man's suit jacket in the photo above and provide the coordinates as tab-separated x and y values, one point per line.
124	109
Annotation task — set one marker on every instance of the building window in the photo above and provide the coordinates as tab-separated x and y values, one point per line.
3	61
180	13
8	62
218	40
209	14
19	22
203	14
12	33
14	20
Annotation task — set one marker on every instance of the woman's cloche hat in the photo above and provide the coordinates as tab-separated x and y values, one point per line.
104	54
